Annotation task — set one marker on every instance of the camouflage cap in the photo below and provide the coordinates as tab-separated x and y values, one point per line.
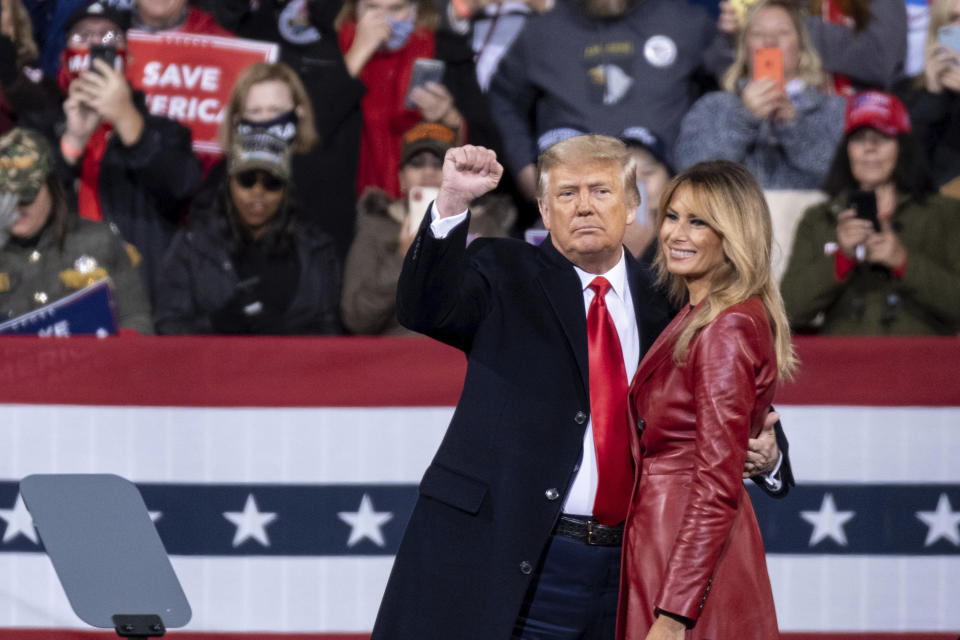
25	163
260	150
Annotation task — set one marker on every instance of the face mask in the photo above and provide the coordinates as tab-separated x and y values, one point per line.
400	31
283	126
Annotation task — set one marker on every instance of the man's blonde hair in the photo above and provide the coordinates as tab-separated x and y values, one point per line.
589	149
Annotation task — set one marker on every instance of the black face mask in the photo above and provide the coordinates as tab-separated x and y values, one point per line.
283	126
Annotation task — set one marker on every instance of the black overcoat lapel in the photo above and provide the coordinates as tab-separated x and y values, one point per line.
562	287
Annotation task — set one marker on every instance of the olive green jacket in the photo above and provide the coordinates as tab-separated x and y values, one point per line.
36	273
870	300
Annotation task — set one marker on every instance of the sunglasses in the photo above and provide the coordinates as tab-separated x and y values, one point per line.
270	182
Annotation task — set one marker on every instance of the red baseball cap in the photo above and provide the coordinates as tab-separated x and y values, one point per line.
878	110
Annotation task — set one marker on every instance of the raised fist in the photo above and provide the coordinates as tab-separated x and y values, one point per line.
468	173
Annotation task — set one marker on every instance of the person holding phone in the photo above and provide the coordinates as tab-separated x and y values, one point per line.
845	276
381	41
244	264
866	45
386	229
934	98
773	115
133	170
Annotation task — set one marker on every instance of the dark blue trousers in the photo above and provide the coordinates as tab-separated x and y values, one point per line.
573	595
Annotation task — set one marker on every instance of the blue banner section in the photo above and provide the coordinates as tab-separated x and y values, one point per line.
89	311
875	519
364	520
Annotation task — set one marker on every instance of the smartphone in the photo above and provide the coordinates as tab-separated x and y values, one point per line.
424	70
418	200
768	63
949	36
105	52
865	204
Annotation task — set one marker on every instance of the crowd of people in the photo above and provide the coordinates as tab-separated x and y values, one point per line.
300	223
591	479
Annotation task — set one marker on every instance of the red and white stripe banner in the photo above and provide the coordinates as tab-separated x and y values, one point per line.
282	469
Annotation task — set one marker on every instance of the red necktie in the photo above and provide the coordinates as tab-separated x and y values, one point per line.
608	408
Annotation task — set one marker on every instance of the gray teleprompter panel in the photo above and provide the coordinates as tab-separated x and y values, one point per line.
104	547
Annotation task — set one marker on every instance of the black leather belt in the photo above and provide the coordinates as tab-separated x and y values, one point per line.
588	531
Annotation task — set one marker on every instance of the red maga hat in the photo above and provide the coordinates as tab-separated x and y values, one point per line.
878	110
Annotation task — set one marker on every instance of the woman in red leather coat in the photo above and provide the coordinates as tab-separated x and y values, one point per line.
693	560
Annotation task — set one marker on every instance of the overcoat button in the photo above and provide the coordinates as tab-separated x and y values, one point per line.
526	568
552	493
580	418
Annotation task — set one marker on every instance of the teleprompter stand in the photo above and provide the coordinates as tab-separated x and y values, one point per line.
137	627
107	553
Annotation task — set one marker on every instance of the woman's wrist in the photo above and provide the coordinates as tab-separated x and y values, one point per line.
72	147
673	620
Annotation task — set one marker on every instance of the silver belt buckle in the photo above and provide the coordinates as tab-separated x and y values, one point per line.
590	540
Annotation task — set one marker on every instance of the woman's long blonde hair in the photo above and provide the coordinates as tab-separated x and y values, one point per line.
727	197
809	68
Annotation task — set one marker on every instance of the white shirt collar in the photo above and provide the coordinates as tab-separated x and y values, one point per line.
617	276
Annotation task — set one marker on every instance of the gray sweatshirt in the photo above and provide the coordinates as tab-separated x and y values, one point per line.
781	156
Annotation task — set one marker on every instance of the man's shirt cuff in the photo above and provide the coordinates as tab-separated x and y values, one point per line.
441	227
773	480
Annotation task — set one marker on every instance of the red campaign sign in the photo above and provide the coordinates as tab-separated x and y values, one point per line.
188	77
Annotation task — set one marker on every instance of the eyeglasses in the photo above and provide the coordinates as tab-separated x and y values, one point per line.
270	182
94	36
